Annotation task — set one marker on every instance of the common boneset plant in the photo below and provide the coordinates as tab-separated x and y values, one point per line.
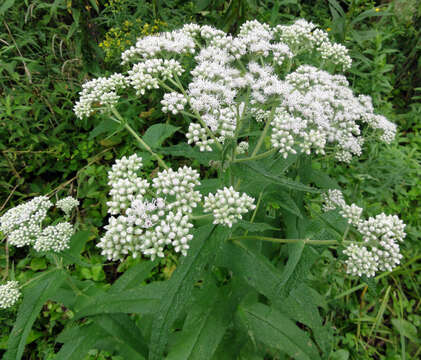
259	108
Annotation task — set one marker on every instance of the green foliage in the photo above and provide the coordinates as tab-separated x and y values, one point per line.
226	300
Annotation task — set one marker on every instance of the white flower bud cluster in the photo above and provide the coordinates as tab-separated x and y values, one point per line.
197	135
22	224
173	230
242	147
228	205
332	200
302	36
126	185
360	261
173	102
335	53
9	294
99	93
178	42
149	226
146	75
55	238
381	236
67	204
179	185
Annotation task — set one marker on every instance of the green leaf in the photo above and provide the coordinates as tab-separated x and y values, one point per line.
78	341
158	133
133	277
251	169
129	337
106	126
253	267
284	200
302	305
180	285
34	297
77	244
142	300
38	264
268	326
255	227
189	152
6	6
322	180
206	323
406	329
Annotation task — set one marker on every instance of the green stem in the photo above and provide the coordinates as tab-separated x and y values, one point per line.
6	251
138	138
289	241
257	157
263	135
255	211
200	217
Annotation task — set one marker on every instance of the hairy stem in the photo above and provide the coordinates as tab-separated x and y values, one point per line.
264	132
138	138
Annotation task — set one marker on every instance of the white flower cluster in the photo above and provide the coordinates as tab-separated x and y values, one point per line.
9	294
303	36
320	109
99	93
67	204
310	109
173	102
55	237
150	216
198	136
228	205
381	235
242	147
23	225
146	75
126	185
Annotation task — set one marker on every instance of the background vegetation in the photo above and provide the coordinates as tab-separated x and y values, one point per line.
49	47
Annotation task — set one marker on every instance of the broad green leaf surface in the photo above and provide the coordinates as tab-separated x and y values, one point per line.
179	287
126	334
142	300
133	277
78	341
206	323
269	327
34	297
158	133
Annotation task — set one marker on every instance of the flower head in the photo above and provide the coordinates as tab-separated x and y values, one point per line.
9	294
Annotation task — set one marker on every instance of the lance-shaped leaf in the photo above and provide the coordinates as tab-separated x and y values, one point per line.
178	291
268	326
34	297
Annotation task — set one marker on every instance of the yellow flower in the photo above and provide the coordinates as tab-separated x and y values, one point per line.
377	9
328	29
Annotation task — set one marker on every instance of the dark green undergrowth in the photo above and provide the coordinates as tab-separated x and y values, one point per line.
49	48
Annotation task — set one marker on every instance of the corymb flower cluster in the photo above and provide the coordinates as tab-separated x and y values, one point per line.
23	225
9	294
150	216
274	76
381	235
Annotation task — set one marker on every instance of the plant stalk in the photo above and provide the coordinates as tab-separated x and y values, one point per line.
139	139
